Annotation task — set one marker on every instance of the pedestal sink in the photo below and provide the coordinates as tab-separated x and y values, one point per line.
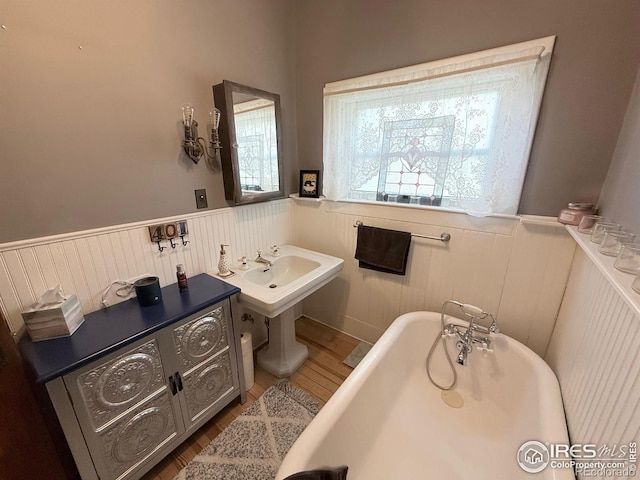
273	291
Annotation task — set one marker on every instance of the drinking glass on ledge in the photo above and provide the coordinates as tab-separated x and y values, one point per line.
600	227
588	221
613	241
628	259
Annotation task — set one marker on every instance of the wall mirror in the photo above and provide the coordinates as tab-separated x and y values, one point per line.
251	136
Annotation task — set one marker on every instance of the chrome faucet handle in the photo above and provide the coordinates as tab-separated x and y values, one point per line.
275	250
259	253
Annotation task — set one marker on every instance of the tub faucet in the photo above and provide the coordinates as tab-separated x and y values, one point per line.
261	259
462	356
465	344
467	340
473	334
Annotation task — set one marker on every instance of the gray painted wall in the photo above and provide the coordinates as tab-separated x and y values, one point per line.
590	81
90	136
619	199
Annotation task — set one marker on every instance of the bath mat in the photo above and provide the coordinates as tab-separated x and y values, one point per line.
358	353
254	444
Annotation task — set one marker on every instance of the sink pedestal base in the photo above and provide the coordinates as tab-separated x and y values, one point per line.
283	355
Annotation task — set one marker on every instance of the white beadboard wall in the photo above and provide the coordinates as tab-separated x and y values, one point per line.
85	263
595	350
518	271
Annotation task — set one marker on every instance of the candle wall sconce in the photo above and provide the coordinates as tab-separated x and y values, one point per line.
194	146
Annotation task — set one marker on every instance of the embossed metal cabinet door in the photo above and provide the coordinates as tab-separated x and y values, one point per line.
207	373
125	409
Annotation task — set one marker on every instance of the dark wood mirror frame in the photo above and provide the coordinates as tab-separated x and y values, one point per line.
223	97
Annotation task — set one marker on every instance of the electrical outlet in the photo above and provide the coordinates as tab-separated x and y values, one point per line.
201	198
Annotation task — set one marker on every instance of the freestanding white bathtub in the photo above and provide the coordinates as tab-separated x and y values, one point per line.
388	422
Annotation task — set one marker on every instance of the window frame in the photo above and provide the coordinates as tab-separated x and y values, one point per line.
390	78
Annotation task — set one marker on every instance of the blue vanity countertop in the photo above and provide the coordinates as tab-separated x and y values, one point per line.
111	328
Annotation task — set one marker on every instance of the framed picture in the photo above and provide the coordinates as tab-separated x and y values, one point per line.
309	183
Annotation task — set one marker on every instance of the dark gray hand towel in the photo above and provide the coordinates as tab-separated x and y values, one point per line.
383	250
337	473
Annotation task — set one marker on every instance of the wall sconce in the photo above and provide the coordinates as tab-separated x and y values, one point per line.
214	116
195	146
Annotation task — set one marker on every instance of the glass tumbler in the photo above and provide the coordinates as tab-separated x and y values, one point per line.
600	227
612	241
628	259
588	221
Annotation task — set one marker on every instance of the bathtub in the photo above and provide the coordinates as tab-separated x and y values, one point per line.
388	422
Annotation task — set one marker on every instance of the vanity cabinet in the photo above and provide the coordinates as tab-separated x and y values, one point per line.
146	398
203	353
125	407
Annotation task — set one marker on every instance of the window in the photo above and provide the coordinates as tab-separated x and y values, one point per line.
455	132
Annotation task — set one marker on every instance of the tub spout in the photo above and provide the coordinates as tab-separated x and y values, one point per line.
464	348
462	357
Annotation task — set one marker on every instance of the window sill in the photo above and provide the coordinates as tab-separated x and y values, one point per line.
458	211
620	281
298	198
539	220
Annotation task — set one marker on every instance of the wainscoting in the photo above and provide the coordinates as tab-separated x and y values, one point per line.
595	351
516	270
85	263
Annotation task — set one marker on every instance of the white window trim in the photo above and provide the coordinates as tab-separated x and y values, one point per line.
545	47
374	78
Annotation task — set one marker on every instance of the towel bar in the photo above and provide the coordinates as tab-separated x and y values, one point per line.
445	237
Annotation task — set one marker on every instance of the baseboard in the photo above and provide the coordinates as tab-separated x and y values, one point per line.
332	327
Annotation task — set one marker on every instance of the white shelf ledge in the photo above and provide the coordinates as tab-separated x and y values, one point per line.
539	220
297	198
619	280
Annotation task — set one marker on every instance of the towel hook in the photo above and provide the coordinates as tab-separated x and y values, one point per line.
444	237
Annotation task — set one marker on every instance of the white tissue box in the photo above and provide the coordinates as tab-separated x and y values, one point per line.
53	320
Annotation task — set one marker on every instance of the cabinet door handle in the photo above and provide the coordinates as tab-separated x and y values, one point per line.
179	381
172	384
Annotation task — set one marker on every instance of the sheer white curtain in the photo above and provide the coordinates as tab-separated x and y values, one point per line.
257	144
459	130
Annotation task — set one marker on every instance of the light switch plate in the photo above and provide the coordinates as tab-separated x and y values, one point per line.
201	198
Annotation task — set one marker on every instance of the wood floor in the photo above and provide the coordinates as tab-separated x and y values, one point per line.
320	375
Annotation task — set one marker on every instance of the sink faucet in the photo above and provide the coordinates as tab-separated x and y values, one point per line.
261	259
